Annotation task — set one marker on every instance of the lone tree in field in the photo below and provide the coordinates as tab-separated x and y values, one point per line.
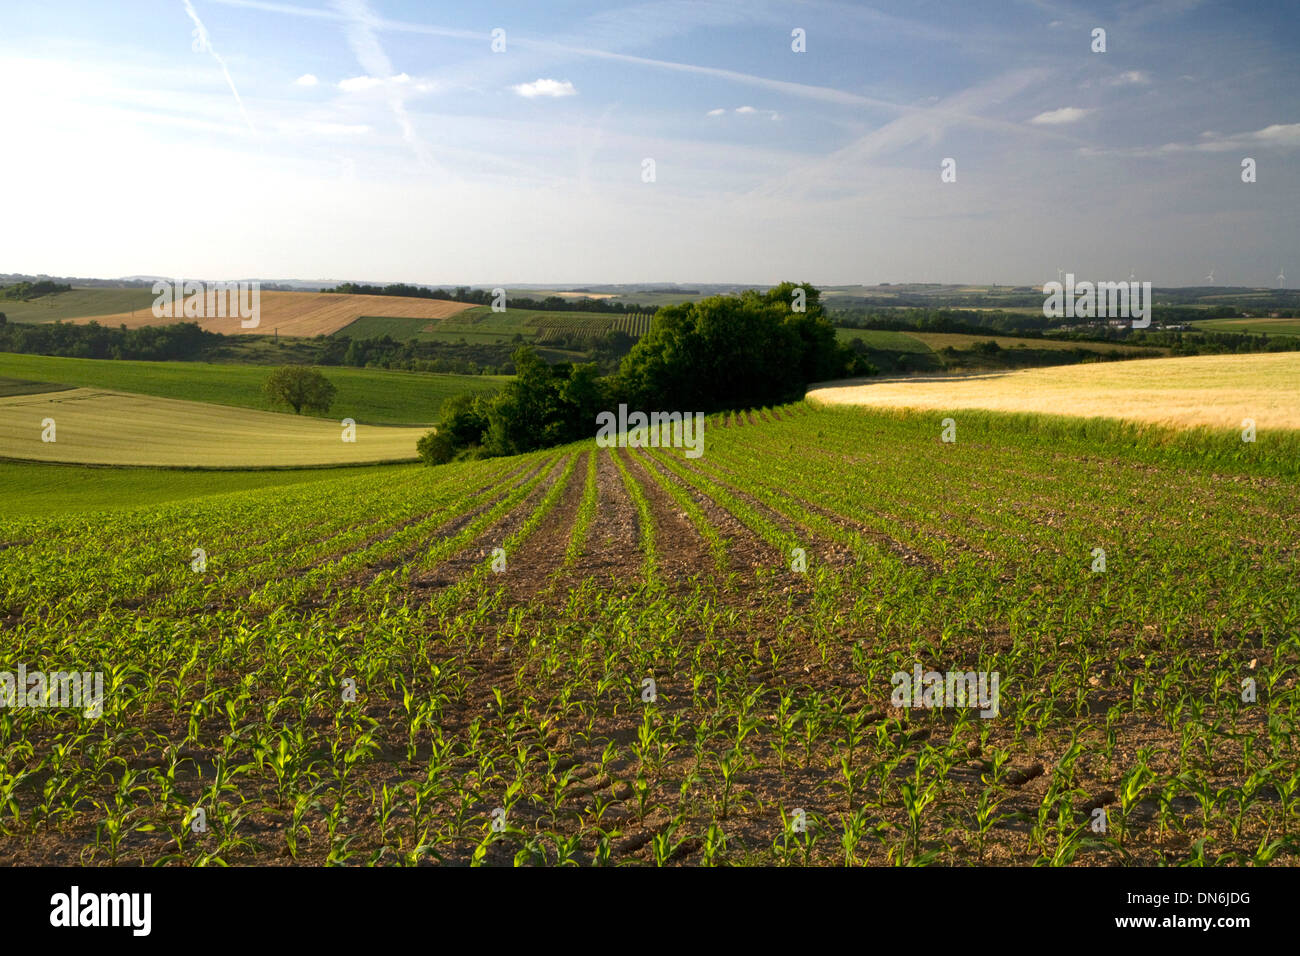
300	388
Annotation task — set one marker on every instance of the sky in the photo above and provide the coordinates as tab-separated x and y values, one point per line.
487	143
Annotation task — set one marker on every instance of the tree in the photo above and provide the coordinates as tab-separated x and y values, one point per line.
740	351
300	388
465	418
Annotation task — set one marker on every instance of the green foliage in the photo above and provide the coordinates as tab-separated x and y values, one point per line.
436	448
741	351
181	340
31	290
300	388
544	405
750	350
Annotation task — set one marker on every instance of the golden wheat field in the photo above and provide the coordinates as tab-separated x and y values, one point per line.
300	314
95	426
1216	391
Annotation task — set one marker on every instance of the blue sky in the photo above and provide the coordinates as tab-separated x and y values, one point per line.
385	140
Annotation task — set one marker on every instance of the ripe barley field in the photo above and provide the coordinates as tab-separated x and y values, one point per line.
1212	391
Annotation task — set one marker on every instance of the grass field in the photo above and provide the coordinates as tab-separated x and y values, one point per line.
929	352
295	314
481	326
93	426
877	339
376	326
1268	326
940	340
33	489
355	675
19	386
77	303
1215	391
372	396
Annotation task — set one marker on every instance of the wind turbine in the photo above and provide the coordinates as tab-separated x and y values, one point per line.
1211	275
1130	274
1281	276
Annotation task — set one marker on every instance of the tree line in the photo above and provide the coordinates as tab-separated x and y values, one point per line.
737	351
552	303
32	290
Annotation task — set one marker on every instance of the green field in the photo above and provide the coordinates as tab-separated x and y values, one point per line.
357	675
482	326
1265	325
99	427
76	304
33	489
941	340
372	396
912	352
890	341
19	386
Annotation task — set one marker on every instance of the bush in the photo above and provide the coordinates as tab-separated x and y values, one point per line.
436	448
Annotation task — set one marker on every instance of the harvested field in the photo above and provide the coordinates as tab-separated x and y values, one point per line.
300	314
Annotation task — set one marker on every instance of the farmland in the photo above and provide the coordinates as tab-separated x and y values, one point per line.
99	427
66	489
481	325
1265	325
77	303
646	673
372	396
942	340
1217	391
916	351
295	314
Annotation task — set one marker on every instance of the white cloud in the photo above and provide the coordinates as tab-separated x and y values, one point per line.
543	87
307	79
746	111
1285	133
1066	114
1280	135
1128	78
355	84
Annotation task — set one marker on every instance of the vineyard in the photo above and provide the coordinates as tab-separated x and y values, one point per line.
576	328
607	656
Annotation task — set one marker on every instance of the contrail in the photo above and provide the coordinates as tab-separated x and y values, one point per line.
204	43
360	30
